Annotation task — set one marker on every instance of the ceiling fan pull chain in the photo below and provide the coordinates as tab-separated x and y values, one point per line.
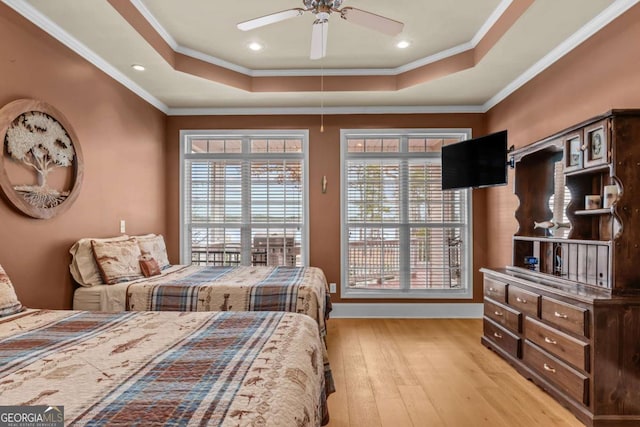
321	98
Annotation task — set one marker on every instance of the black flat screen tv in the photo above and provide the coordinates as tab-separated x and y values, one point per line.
474	163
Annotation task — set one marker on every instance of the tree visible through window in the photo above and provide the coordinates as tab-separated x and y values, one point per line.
401	233
244	198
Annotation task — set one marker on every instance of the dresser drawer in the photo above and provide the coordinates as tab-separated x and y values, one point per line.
503	338
570	381
524	301
495	290
565	316
567	348
505	316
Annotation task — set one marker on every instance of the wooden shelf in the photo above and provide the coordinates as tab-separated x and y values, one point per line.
595	169
604	211
561	240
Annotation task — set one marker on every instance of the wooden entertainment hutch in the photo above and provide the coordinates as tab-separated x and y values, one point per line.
566	313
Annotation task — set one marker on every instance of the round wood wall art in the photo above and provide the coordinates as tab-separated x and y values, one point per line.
41	153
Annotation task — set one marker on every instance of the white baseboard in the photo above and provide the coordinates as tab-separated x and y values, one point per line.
409	310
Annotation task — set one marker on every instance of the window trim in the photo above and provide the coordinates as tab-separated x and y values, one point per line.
187	134
359	293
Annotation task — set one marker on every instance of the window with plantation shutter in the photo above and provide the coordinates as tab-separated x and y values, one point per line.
244	198
402	236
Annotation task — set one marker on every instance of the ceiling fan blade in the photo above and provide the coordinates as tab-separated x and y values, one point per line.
371	20
269	19
319	38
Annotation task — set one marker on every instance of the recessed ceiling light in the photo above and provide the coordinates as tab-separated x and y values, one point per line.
137	67
255	46
402	44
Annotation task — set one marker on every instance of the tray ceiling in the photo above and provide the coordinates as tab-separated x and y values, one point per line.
464	55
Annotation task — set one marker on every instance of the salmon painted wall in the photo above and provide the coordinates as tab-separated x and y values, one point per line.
324	159
601	74
122	140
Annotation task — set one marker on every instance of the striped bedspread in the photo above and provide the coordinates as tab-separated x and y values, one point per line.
165	368
197	288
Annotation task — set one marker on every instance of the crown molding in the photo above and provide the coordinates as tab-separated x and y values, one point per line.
213	60
490	22
433	58
617	8
267	111
32	14
151	19
484	29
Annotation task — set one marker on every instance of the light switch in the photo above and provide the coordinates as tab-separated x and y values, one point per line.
123	226
332	288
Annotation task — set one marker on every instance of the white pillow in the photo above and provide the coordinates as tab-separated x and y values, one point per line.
83	265
154	247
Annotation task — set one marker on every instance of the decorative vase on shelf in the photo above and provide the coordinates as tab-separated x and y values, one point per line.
551	225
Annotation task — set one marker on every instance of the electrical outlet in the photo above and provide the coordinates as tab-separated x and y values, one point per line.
332	288
123	226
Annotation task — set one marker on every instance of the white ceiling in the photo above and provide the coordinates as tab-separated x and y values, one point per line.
206	30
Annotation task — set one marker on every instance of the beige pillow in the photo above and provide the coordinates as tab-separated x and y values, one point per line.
9	303
83	265
118	261
154	247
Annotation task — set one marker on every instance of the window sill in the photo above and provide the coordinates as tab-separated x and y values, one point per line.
360	293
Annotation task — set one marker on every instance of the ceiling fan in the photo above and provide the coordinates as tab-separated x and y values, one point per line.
322	9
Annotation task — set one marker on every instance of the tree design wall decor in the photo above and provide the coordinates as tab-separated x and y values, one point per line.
38	142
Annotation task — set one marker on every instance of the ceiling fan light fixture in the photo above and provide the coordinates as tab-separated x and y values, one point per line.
322	9
316	4
403	44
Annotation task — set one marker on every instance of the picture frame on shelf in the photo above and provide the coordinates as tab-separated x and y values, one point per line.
573	153
596	145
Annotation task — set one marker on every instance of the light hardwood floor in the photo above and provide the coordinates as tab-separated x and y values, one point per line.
429	372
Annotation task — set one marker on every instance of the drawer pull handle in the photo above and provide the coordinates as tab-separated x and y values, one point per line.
550	341
549	368
497	335
497	313
522	300
560	315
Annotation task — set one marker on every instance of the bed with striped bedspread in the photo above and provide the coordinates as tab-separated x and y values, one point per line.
165	368
198	288
253	288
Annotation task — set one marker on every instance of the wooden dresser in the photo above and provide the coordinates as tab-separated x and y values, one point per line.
566	313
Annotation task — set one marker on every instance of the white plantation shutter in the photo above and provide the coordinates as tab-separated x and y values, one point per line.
436	246
244	198
402	235
213	208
